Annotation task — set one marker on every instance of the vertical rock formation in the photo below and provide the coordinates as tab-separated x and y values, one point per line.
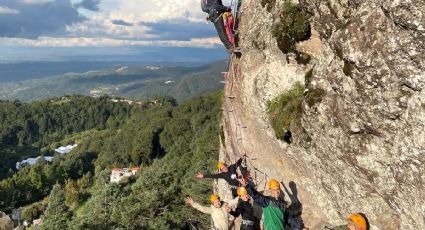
363	110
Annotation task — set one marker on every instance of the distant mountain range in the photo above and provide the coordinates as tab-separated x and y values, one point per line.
135	82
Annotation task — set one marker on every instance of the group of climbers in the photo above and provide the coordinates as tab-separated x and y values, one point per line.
217	12
276	215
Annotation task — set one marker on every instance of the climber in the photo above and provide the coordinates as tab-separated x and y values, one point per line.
228	173
357	221
274	207
215	10
217	210
244	208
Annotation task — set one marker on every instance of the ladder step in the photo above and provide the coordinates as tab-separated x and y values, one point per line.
242	126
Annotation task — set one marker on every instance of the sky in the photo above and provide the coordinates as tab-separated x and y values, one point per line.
49	30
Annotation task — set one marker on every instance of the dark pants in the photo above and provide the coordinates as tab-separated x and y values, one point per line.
247	227
219	26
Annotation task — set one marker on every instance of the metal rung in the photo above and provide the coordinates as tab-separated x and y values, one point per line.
242	126
223	82
231	97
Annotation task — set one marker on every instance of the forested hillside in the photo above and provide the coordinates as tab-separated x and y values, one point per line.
137	82
170	142
26	129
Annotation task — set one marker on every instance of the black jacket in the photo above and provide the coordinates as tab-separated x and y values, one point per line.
230	176
245	209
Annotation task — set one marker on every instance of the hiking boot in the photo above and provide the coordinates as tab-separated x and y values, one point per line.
233	50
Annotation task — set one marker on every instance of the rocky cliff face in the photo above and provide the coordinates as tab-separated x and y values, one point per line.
364	109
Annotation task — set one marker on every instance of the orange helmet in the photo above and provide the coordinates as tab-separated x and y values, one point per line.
242	191
214	197
219	165
358	220
274	184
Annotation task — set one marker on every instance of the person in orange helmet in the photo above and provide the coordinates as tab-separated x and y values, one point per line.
356	221
228	173
244	208
217	210
274	207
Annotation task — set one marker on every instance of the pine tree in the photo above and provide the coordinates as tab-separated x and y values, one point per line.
57	214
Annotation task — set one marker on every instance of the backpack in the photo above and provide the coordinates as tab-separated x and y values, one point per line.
205	6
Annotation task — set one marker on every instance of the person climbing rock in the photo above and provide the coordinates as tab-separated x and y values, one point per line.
274	207
228	173
244	208
356	221
217	210
215	10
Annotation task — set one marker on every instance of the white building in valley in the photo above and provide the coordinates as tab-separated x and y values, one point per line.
32	161
118	174
65	149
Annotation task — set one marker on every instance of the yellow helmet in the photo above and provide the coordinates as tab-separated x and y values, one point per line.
274	184
214	197
242	191
358	220
219	165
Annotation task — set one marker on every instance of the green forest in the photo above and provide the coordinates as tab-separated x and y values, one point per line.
169	141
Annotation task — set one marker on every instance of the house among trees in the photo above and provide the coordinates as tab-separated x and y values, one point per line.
36	223
118	174
32	161
65	149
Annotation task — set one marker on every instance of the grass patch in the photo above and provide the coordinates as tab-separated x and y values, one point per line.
294	26
285	111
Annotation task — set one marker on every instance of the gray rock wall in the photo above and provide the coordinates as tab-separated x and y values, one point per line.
370	122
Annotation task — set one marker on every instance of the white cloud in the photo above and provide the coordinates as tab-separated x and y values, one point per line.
154	10
135	11
99	26
108	42
7	10
36	1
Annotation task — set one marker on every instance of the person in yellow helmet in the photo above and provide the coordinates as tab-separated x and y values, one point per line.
228	173
274	207
244	208
356	221
217	210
